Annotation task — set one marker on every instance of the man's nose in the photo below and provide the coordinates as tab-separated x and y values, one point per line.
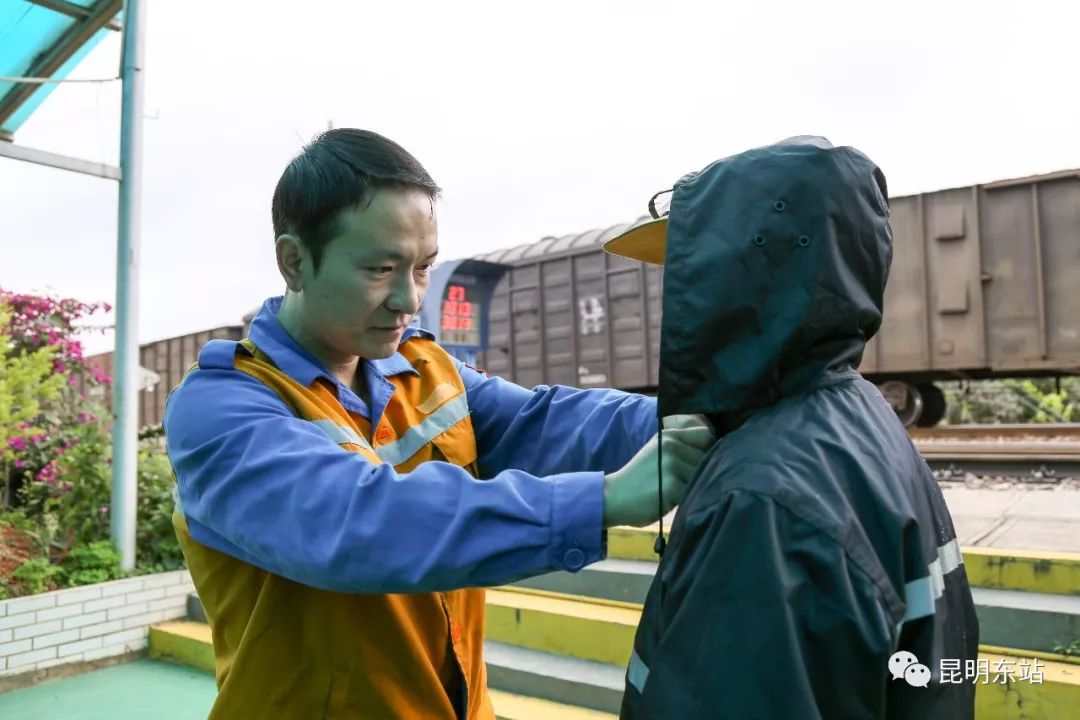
404	298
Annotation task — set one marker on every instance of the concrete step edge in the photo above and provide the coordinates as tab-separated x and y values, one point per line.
582	683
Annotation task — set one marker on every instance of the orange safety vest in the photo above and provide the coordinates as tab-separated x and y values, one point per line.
286	650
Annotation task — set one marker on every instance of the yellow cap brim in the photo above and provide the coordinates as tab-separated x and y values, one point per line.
646	242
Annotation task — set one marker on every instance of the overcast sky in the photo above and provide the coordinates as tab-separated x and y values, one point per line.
541	119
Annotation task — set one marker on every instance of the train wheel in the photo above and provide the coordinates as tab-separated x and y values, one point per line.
934	405
905	399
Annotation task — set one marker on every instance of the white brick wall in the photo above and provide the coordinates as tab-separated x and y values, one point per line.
88	623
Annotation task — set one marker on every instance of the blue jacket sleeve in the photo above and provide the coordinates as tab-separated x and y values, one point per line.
260	484
555	429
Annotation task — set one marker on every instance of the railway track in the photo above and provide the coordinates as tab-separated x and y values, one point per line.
1031	453
1048	431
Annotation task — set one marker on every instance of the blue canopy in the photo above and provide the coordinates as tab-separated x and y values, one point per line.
45	39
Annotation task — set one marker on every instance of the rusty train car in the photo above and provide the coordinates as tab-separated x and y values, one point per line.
985	283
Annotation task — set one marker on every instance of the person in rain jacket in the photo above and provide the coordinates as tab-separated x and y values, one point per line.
813	569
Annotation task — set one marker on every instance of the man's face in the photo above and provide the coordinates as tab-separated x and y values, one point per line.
372	276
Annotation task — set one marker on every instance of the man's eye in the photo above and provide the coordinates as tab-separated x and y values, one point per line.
381	269
425	269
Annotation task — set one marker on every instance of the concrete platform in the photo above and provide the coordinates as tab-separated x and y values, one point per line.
1008	515
1015	517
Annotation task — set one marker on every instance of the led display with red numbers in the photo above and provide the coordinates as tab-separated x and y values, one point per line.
460	323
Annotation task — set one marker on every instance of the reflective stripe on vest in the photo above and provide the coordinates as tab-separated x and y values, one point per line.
420	435
341	434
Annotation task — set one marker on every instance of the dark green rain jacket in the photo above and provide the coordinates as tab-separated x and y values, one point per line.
813	543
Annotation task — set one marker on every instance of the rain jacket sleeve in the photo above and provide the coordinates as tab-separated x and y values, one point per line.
787	626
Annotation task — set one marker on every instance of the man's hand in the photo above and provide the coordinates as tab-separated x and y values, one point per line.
630	492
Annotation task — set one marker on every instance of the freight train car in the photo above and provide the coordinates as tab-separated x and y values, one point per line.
985	283
168	359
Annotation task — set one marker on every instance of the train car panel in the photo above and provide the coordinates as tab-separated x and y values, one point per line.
1012	273
953	261
555	289
902	343
653	302
1059	219
593	362
627	329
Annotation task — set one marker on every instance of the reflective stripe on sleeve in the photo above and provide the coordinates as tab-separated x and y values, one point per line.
638	672
921	595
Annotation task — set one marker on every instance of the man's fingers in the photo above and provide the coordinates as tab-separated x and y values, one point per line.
681	455
700	437
672	422
676	481
679	469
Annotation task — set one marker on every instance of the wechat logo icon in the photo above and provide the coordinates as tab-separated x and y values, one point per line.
904	664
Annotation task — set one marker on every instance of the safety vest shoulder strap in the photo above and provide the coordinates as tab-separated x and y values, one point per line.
217	354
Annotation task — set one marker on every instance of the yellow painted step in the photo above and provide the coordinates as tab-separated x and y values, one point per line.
1041	571
521	707
629	543
601	630
1031	570
183	642
1057	697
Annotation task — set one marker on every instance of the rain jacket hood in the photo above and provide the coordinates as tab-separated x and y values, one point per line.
775	272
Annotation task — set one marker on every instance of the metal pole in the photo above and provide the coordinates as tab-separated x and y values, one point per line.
126	353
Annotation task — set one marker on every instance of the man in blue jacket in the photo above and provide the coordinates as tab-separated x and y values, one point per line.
343	483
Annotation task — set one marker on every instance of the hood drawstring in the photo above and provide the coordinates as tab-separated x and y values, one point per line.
660	544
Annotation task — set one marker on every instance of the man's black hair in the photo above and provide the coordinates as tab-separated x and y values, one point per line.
340	169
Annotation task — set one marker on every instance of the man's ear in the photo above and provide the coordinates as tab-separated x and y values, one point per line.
291	257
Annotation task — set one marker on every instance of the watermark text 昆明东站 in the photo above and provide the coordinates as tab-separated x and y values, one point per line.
953	671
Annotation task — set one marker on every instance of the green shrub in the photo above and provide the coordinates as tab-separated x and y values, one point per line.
155	538
1039	400
91	563
36	575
